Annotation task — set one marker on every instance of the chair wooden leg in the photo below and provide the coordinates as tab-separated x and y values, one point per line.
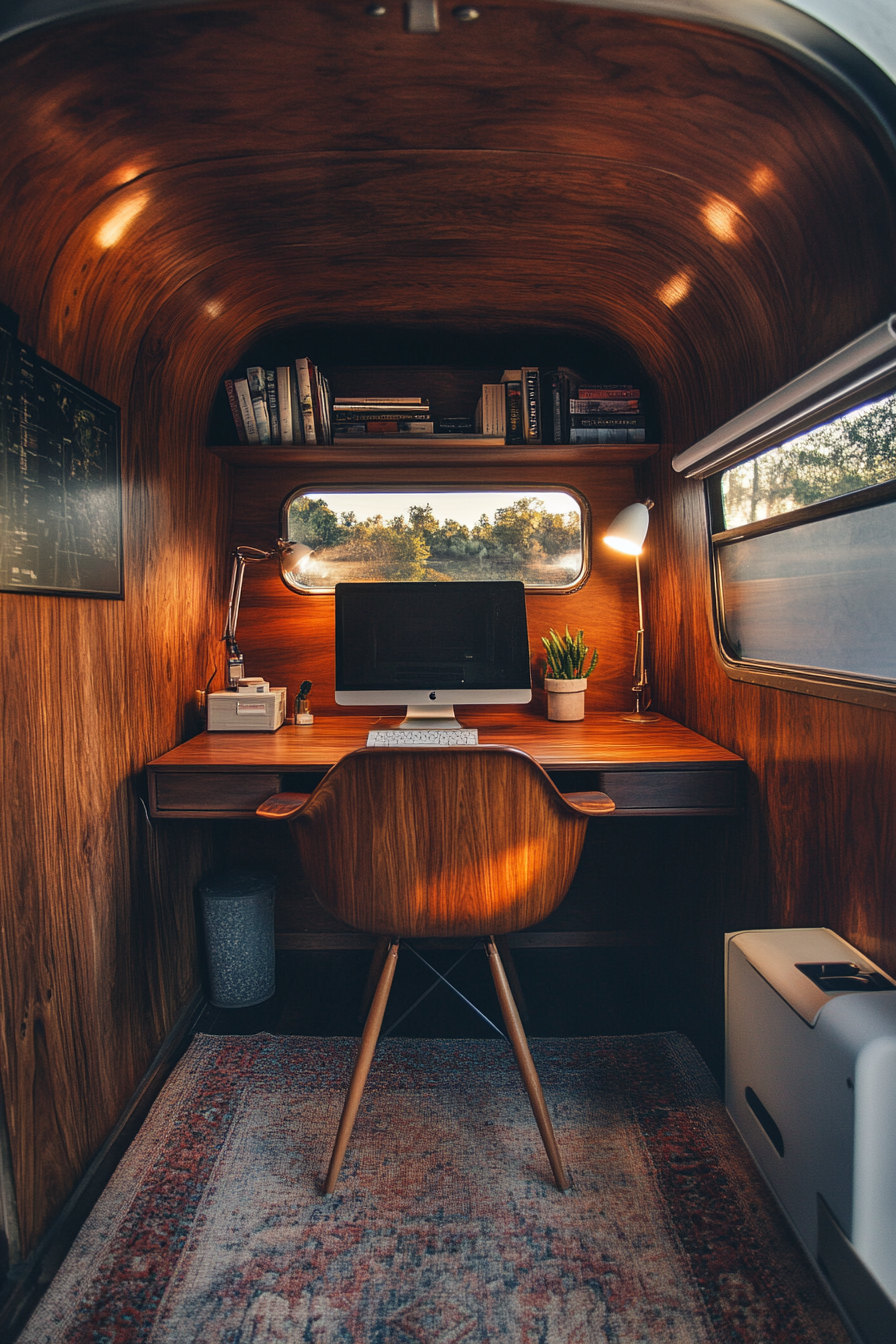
362	1067
526	1065
380	953
513	979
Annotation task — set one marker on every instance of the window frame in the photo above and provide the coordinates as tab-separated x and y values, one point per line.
852	688
478	487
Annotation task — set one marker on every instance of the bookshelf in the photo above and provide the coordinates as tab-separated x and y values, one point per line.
446	367
434	450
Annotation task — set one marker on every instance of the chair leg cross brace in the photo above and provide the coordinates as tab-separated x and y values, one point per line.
370	1036
444	981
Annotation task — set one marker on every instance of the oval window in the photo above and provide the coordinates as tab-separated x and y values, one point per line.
535	535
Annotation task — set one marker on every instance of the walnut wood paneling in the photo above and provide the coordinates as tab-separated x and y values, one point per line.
288	636
176	185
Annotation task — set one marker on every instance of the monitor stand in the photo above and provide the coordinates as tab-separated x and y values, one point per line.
422	717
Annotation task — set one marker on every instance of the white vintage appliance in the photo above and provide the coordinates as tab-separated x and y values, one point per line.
811	1086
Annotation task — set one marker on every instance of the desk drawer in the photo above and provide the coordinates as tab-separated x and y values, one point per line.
660	791
208	793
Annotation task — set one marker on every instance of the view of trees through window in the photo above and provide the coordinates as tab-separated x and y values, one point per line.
855	450
438	536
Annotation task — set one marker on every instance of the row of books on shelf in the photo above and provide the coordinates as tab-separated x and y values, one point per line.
292	404
289	404
533	406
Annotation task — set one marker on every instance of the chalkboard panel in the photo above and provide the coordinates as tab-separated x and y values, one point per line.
60	481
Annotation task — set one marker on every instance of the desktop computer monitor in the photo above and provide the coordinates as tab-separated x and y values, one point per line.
432	646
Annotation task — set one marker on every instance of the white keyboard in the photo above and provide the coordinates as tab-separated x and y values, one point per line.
423	737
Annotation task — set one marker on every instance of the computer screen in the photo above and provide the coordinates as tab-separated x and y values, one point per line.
432	645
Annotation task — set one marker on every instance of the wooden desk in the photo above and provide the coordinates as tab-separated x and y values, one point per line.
649	770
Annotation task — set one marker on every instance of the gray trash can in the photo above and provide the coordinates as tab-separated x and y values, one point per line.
238	914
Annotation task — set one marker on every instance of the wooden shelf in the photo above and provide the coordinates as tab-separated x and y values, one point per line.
445	449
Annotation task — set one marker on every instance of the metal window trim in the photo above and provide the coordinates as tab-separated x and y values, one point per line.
857	372
452	487
871	692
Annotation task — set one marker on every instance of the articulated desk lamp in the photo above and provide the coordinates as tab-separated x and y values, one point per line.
626	533
292	555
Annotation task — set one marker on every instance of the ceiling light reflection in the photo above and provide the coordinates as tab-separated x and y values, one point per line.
675	289
762	180
721	218
120	219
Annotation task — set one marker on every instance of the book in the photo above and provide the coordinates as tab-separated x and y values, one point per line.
493	410
607	434
609	391
235	411
244	397
375	401
531	385
306	401
513	394
255	378
270	392
322	407
368	407
401	427
284	403
595	406
298	432
455	424
348	417
561	385
359	429
607	421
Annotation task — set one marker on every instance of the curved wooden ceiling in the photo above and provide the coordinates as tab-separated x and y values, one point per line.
196	178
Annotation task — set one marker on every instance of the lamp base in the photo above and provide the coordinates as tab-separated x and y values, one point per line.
640	718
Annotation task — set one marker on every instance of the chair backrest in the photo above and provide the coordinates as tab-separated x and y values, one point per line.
445	841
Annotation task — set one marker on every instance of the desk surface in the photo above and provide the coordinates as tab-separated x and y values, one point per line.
650	769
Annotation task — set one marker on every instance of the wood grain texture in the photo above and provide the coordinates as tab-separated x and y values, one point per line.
288	636
600	741
172	192
417	843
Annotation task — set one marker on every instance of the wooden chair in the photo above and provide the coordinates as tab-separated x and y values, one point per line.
421	843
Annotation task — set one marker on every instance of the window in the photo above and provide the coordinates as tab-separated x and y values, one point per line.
537	535
804	541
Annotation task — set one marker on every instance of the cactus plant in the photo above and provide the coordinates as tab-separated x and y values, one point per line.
566	655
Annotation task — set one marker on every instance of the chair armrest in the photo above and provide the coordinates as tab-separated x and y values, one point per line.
282	805
590	804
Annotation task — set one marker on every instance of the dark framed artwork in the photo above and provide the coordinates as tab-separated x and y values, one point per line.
60	481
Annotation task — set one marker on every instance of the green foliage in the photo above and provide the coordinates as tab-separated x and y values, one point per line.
566	655
311	521
520	540
856	450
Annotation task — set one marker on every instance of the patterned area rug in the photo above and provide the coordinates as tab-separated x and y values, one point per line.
445	1226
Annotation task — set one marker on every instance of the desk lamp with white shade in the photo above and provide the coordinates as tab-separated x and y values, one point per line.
626	533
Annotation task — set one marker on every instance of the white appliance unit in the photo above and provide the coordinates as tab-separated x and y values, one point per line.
810	1083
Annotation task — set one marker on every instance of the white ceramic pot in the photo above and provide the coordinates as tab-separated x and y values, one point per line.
566	699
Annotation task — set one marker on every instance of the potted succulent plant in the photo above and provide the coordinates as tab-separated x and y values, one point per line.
567	676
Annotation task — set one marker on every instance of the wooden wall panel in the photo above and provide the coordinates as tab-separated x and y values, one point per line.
178	184
288	636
